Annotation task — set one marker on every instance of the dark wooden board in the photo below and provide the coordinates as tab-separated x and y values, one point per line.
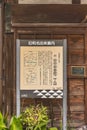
48	13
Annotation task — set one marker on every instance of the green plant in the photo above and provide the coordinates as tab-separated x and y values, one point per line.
15	123
2	122
34	118
61	125
53	128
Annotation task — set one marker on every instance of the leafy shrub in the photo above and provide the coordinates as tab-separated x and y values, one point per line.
2	122
15	123
34	118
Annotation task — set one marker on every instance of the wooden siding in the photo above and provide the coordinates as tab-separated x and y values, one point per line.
9	90
76	36
1	97
47	13
76	84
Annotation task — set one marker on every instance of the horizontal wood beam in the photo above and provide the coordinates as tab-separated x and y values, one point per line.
47	13
24	25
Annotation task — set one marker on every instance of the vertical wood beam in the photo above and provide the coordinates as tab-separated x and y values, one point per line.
76	1
1	56
14	71
85	91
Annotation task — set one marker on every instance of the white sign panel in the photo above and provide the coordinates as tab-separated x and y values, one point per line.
41	67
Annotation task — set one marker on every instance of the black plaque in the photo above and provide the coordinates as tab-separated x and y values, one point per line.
77	70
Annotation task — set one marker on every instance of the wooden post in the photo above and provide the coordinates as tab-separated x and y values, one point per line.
1	57
85	78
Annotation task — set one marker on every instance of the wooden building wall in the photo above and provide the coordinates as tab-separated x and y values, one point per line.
76	35
77	86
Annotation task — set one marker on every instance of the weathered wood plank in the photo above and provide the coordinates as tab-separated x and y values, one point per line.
76	100
9	91
76	124
86	100
76	119
85	88
76	56
1	77
76	87
77	116
76	42
47	13
77	108
56	30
